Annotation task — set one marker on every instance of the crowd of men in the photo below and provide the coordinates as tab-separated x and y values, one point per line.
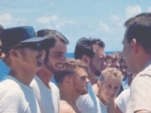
42	80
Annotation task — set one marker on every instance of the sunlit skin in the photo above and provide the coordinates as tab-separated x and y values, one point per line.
32	57
71	88
56	57
80	81
108	89
96	65
29	61
97	62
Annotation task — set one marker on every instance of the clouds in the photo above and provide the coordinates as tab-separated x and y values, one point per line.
149	9
131	11
104	28
47	20
116	19
6	20
54	22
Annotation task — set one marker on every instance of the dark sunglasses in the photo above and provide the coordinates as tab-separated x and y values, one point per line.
33	45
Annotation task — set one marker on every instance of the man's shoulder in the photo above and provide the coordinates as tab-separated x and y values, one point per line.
65	107
9	83
84	99
143	77
53	86
37	84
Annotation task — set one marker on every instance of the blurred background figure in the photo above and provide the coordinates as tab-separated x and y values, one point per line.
108	60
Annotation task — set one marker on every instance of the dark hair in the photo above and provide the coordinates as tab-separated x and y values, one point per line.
68	68
109	56
139	27
84	46
54	36
1	28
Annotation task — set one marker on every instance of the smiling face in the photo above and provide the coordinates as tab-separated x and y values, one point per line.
108	89
56	57
109	84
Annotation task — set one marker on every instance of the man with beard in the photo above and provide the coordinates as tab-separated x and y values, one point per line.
24	56
72	81
137	54
90	51
46	92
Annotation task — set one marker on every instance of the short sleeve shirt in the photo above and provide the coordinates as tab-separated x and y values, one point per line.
140	91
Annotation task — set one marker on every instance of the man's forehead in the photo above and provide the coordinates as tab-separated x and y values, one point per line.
58	50
110	80
80	70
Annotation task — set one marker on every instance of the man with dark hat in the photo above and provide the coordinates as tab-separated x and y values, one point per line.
24	56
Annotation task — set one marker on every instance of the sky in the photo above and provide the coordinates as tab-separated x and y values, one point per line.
102	19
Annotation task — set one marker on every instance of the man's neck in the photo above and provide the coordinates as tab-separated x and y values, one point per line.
69	96
45	75
92	77
145	59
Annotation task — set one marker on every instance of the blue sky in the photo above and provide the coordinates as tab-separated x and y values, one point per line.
75	18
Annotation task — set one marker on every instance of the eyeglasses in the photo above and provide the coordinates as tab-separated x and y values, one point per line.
33	45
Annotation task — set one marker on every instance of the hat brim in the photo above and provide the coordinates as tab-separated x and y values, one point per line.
34	39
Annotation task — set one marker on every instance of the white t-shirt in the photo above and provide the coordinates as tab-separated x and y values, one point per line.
140	91
122	100
88	103
48	99
103	107
16	97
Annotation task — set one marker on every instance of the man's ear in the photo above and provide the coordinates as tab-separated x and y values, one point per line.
99	84
14	53
135	45
85	59
68	80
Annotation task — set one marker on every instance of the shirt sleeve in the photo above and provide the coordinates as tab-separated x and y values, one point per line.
122	100
10	102
140	94
86	105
